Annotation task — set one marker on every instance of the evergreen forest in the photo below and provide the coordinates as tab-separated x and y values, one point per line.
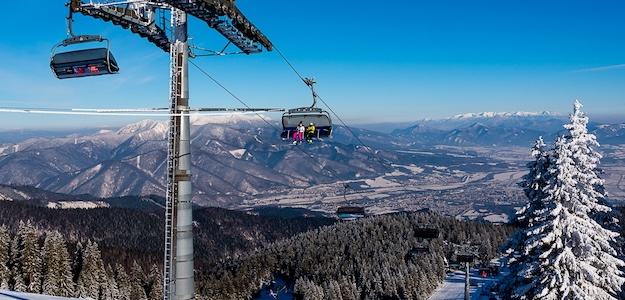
116	253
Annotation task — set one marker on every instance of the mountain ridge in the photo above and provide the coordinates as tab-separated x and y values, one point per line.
241	158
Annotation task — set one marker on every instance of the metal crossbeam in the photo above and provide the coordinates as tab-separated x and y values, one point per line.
227	19
141	18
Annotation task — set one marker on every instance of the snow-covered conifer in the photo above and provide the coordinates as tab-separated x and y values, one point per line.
533	219
534	182
92	274
137	282
110	291
5	247
564	252
156	283
123	282
29	257
57	279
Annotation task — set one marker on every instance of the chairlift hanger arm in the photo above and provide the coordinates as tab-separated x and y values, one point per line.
77	39
310	82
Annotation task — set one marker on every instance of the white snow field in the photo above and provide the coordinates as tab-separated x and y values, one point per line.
453	287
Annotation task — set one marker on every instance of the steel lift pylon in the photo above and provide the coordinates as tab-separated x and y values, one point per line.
141	18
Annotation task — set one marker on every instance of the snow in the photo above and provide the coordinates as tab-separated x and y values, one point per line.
77	204
379	182
28	296
507	176
564	246
453	286
24	196
158	127
225	118
497	219
490	114
238	153
104	131
413	168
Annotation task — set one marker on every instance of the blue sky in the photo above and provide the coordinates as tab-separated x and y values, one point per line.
373	61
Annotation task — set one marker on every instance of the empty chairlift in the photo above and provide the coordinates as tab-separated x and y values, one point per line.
423	231
349	212
426	231
419	249
465	257
82	62
319	117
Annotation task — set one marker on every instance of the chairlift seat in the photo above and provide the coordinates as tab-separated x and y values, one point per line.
464	257
419	250
350	212
83	63
306	115
428	231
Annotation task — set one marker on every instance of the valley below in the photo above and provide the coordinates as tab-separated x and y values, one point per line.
466	167
472	190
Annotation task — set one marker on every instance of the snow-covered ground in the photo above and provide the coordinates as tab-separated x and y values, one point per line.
479	289
8	295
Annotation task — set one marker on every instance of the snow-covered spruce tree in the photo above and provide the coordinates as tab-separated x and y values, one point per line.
123	282
57	277
5	247
567	253
29	257
155	281
533	220
533	184
137	281
92	278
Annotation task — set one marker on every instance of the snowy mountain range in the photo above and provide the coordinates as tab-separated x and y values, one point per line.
241	157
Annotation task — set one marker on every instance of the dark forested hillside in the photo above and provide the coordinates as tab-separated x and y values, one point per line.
125	234
237	252
117	253
370	258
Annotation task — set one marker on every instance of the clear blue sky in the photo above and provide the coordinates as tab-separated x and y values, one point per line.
374	61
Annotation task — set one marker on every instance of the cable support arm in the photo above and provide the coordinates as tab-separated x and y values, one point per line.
140	20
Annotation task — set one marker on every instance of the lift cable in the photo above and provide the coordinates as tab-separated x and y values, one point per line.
229	92
345	125
263	118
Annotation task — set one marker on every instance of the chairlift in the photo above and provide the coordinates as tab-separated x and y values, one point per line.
84	62
465	257
349	212
427	231
317	116
420	249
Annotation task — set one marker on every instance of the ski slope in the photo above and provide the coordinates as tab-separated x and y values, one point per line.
453	287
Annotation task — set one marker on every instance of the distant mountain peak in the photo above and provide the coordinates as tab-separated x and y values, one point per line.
226	118
505	114
144	125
